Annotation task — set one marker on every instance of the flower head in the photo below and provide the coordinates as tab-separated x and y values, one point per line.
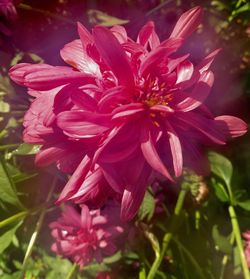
246	236
138	106
88	235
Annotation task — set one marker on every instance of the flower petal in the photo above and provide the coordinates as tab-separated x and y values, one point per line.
75	181
150	153
199	93
207	61
114	55
187	23
206	126
74	55
176	149
231	126
83	124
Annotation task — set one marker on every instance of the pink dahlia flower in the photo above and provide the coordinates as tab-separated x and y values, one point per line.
86	235
246	236
8	10
138	107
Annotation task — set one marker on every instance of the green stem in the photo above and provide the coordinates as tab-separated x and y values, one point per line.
20	215
157	8
237	234
46	13
13	218
37	229
9	146
168	236
225	258
72	271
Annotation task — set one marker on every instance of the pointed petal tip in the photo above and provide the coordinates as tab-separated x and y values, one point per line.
187	23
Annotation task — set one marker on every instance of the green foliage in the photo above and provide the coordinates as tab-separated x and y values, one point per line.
147	207
7	237
8	192
101	18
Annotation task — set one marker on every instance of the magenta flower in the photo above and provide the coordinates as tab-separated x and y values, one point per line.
8	10
88	235
246	236
137	106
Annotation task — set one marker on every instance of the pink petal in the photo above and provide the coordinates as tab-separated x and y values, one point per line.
207	61
127	110
83	124
75	181
187	23
231	126
162	108
114	55
120	33
85	36
74	55
204	125
184	71
154	58
150	153
145	33
133	195
45	79
49	155
199	93
83	100
112	177
86	220
91	181
17	73
176	150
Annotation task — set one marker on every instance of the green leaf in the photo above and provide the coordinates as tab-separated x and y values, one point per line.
17	58
220	191
242	9
222	242
35	57
147	207
4	107
8	191
244	204
27	149
101	18
114	258
221	167
7	237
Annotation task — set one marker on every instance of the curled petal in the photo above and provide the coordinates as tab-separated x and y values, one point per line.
74	55
176	150
150	153
207	61
231	126
75	181
187	23
199	93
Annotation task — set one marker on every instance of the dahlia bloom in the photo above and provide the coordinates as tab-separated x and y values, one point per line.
88	235
8	14
246	236
137	108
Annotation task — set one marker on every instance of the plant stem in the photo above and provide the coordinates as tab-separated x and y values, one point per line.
168	236
237	234
71	271
37	229
225	258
